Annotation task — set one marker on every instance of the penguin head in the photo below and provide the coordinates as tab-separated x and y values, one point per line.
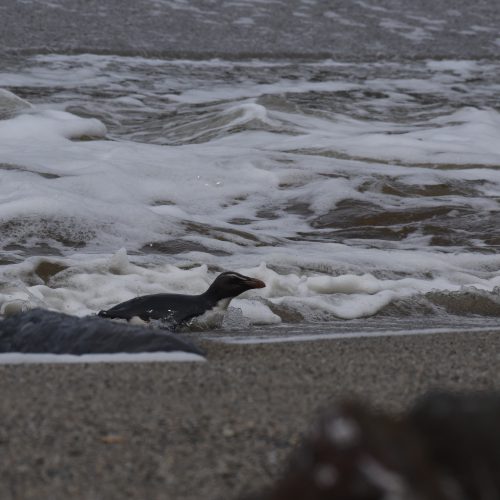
230	284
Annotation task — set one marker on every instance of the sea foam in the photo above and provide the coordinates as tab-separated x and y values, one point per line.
347	188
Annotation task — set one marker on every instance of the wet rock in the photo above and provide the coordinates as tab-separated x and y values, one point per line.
11	104
446	448
46	269
353	453
41	331
461	433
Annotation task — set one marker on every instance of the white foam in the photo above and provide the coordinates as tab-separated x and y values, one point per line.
241	172
49	125
93	283
244	21
409	31
256	312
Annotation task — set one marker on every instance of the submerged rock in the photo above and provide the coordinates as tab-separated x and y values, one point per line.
11	104
446	448
42	331
461	433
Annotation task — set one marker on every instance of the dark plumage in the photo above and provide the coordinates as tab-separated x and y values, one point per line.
177	309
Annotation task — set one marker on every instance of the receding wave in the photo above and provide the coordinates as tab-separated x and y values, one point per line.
354	190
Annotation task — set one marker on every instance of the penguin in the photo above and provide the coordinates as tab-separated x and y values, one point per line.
178	309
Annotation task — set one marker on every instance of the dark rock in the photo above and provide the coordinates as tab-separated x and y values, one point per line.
353	453
41	331
461	433
446	448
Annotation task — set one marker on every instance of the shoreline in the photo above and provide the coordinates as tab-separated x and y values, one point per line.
220	429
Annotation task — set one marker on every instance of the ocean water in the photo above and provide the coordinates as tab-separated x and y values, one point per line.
366	195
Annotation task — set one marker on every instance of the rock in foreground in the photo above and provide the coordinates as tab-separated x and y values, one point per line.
41	331
446	448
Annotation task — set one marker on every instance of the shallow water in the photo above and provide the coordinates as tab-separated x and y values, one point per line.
356	191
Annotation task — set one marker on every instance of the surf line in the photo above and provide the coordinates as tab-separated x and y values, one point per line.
350	335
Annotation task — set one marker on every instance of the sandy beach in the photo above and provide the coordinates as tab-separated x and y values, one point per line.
216	429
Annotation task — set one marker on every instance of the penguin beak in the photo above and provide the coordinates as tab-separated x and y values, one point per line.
255	283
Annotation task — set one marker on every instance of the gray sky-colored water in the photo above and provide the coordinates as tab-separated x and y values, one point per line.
342	29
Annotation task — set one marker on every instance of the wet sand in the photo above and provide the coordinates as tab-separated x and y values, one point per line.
212	430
